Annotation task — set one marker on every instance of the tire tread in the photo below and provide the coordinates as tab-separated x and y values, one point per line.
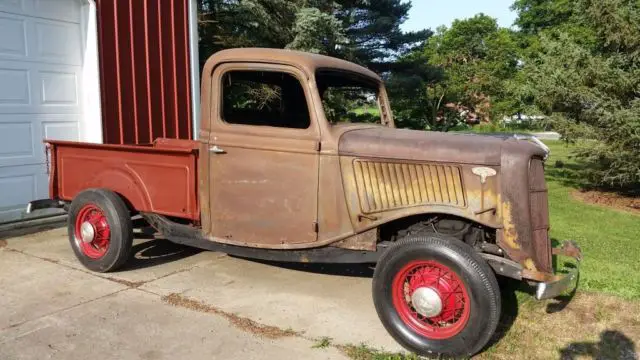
121	228
471	258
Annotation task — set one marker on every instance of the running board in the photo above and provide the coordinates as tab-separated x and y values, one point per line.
191	236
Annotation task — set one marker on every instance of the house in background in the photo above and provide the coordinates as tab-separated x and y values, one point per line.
104	71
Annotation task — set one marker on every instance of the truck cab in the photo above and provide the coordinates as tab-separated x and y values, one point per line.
298	159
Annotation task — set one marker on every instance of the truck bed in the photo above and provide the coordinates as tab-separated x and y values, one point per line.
158	178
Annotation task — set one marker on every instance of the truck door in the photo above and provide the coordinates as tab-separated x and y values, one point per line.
263	156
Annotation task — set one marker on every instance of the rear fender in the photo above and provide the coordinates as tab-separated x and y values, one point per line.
127	184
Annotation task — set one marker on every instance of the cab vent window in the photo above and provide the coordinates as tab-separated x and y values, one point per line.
264	98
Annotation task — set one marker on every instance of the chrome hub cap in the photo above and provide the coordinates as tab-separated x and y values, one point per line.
87	232
426	301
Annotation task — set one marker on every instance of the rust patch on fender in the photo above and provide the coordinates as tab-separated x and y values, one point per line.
510	235
363	241
529	265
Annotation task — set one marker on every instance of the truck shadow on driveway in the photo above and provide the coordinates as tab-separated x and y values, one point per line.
351	270
154	252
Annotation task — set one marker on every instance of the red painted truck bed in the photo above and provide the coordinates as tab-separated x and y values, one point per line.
159	178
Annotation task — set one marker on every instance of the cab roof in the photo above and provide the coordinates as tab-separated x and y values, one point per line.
308	62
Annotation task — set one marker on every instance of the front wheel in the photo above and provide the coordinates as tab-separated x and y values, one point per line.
100	229
436	296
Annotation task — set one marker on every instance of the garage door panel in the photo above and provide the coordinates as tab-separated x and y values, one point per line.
15	38
14	6
41	40
61	130
62	10
16	190
56	42
20	140
16	141
59	88
19	185
15	87
21	136
39	88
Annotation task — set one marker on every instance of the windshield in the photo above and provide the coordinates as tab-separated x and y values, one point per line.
348	98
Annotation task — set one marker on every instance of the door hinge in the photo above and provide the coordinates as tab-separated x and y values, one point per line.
318	146
315	226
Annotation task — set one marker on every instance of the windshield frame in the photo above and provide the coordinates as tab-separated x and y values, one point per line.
386	118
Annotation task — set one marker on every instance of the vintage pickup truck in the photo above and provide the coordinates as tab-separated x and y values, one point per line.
298	160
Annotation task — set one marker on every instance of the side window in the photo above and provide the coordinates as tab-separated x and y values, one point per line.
264	98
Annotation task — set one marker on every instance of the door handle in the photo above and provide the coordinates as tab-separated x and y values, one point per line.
216	150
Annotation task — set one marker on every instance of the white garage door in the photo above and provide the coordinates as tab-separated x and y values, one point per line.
40	77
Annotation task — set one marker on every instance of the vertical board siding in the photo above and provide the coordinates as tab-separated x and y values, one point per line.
144	70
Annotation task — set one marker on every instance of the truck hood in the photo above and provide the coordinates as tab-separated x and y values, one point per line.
391	143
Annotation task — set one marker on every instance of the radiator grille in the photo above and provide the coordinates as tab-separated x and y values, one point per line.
386	185
539	207
538	195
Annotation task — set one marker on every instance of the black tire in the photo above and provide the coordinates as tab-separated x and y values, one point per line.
479	281
118	219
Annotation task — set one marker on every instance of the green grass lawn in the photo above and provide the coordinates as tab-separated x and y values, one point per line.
609	238
371	110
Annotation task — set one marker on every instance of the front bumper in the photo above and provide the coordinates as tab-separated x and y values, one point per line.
562	282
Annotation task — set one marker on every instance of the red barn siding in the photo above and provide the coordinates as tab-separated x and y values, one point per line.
144	70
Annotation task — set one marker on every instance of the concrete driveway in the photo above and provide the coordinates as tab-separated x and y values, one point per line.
174	302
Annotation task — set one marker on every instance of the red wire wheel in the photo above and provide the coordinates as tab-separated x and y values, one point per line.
92	231
431	299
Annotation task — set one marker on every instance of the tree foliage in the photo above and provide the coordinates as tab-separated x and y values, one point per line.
374	35
315	31
477	57
537	15
585	75
362	31
464	69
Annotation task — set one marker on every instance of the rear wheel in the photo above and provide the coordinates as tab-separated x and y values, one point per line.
100	230
435	296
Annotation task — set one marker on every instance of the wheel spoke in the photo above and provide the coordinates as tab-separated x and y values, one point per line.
453	296
98	245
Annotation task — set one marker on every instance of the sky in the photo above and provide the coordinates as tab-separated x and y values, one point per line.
433	13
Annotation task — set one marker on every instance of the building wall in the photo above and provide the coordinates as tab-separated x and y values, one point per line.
144	70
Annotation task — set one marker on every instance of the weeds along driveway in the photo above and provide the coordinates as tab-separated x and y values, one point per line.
177	302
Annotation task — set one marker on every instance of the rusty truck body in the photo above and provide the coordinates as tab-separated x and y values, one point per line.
278	175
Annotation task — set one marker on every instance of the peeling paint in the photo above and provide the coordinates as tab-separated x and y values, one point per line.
530	265
510	237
